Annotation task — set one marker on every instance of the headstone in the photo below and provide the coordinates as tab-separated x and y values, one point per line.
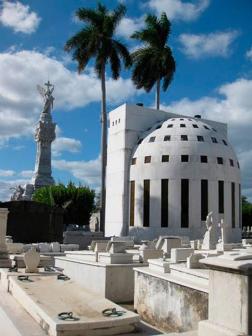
73	247
8	239
55	247
180	254
185	241
35	246
199	244
159	265
27	247
116	247
69	247
209	241
193	260
128	241
98	245
15	248
194	244
4	257
148	251
166	243
222	245
31	260
44	247
247	242
64	247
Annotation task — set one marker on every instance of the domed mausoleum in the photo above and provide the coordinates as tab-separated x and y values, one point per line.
166	172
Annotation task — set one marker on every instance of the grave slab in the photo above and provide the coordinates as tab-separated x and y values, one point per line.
45	297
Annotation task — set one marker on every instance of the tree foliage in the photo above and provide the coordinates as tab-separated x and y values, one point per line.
153	62
96	40
246	212
77	202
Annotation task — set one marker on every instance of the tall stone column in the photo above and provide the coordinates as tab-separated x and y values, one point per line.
44	136
4	258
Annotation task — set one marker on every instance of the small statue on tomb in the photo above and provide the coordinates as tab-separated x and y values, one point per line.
209	241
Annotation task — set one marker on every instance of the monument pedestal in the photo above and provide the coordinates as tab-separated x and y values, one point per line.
5	263
4	257
230	300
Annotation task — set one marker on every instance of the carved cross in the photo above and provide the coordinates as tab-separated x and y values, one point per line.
48	84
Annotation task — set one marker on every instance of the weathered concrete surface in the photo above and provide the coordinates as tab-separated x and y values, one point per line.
45	297
230	296
113	281
170	306
16	320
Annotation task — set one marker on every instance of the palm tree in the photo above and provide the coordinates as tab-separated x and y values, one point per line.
153	62
96	40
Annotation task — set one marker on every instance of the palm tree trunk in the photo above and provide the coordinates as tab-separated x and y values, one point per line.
158	94
103	149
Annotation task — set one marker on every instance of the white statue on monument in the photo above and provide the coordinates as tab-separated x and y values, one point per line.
44	136
209	241
47	95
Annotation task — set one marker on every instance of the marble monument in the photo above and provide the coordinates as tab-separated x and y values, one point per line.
44	136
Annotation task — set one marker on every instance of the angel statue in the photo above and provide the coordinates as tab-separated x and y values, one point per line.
209	241
18	193
47	96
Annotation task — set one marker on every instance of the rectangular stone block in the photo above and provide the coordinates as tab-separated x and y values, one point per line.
115	258
180	254
150	254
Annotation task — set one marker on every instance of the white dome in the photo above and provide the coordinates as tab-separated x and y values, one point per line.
181	169
188	137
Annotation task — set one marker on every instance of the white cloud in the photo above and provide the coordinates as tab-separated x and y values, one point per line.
19	17
128	26
249	54
20	102
6	173
178	9
234	106
26	173
205	45
63	144
86	171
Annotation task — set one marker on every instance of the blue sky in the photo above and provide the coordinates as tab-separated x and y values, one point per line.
212	44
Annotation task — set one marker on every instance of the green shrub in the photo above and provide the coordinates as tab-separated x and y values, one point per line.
246	212
77	201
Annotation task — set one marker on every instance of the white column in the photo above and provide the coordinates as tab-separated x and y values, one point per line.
4	258
3	227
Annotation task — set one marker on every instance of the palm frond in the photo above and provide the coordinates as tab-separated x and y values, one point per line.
153	61
118	14
115	64
123	53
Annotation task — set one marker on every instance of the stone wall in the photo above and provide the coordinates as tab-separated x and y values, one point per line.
168	305
32	222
